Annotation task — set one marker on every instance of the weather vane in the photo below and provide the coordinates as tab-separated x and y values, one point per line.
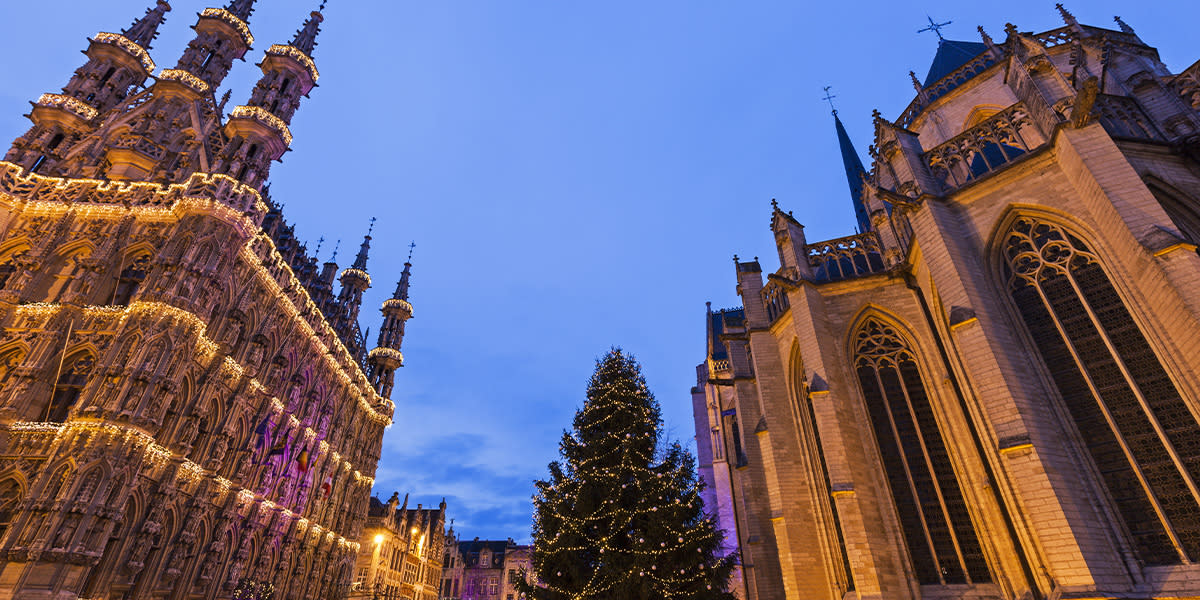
410	250
371	229
829	98
936	28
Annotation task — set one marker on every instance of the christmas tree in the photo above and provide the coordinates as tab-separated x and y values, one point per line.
619	517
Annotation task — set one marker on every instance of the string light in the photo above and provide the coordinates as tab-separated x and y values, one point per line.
261	115
128	45
297	55
69	104
179	75
231	20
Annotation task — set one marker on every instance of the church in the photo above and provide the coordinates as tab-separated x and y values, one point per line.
188	408
992	390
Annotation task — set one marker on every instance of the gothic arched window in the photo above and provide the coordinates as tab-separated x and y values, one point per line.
1141	435
941	540
71	381
131	279
10	496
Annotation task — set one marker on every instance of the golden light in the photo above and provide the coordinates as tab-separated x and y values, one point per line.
378	539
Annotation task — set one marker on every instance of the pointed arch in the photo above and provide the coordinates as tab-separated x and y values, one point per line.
12	492
77	368
10	253
1141	436
810	434
931	507
135	265
64	268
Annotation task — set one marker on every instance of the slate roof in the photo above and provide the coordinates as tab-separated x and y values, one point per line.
952	54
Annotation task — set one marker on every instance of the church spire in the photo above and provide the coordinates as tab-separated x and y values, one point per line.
854	174
306	38
143	31
242	9
360	261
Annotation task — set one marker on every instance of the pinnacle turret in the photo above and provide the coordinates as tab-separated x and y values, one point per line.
360	261
386	357
242	9
306	38
143	31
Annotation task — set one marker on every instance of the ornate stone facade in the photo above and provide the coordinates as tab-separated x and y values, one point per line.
187	410
993	391
402	551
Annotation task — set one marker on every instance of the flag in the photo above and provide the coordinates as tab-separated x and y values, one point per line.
280	448
302	461
264	434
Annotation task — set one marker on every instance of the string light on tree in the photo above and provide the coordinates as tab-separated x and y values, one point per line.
619	505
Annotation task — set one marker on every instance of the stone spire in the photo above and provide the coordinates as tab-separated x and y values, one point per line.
360	261
386	357
306	39
242	9
144	30
854	174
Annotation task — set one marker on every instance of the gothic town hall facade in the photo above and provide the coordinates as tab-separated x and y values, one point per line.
187	406
993	390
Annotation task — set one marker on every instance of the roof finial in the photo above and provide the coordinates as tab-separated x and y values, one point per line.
1011	29
987	39
320	241
144	30
829	98
774	204
306	38
335	251
1124	27
402	285
410	251
1066	15
916	82
936	28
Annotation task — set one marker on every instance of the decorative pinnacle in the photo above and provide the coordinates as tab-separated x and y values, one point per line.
1125	28
1067	17
1011	29
774	204
829	98
306	37
936	28
242	9
320	242
916	82
360	261
144	30
335	251
402	285
987	39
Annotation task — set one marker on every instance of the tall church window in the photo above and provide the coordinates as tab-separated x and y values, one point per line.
131	279
942	543
805	415
69	268
1139	432
71	381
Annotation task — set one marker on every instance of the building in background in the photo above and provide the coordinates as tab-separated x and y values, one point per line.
484	569
187	406
992	390
401	556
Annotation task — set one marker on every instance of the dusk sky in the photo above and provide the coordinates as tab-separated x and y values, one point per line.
576	175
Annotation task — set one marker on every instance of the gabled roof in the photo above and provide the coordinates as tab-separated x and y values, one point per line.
952	54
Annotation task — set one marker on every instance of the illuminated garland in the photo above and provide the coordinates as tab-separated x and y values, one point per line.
69	104
128	45
352	272
160	456
232	20
297	55
261	115
191	81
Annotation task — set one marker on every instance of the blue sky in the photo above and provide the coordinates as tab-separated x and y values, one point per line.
575	176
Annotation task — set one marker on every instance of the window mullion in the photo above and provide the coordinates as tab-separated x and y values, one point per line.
1137	392
908	473
1108	418
937	484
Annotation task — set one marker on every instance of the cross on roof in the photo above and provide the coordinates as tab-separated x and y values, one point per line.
410	250
935	27
829	98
